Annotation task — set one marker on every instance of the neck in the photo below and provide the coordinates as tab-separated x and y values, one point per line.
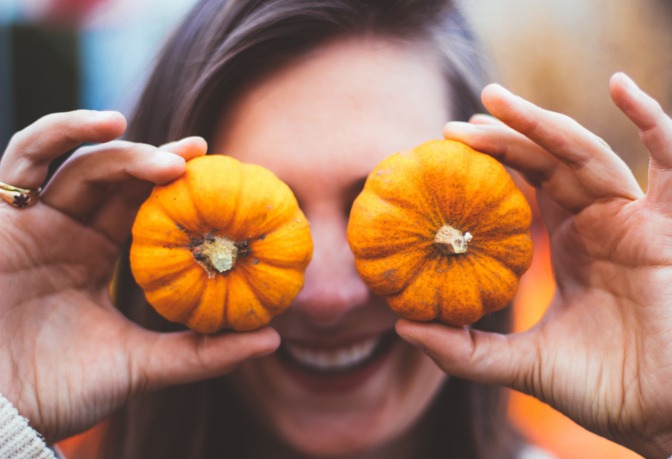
417	442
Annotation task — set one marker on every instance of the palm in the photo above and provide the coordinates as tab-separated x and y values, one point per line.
607	260
63	270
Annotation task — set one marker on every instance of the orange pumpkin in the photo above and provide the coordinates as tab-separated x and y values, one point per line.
442	232
223	246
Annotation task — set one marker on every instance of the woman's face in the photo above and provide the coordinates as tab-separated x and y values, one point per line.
342	382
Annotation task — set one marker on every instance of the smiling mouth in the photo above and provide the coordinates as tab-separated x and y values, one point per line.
336	360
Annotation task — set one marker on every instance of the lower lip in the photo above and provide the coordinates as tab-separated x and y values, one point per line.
335	382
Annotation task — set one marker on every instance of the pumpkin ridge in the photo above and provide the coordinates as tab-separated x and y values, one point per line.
417	205
444	211
278	203
148	242
501	276
237	196
225	309
195	199
156	228
467	289
434	214
511	213
490	271
409	228
421	219
210	188
488	198
373	252
159	205
437	303
274	263
191	312
280	264
190	221
258	295
396	201
420	266
165	278
282	214
505	258
437	210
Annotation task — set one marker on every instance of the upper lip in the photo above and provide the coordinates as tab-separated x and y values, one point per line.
322	342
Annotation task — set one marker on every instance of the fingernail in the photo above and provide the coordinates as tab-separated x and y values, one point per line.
193	138
482	118
458	130
501	90
460	125
627	80
108	114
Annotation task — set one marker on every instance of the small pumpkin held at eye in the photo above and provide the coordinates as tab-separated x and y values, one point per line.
442	232
224	246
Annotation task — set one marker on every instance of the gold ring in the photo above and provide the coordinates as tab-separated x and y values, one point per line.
19	197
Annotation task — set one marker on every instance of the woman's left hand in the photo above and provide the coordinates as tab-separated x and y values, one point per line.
602	353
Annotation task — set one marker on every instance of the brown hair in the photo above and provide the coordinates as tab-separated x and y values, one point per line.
219	48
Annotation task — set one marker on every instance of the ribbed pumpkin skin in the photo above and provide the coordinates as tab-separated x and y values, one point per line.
220	196
407	198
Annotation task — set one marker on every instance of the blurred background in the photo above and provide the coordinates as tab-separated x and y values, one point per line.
58	55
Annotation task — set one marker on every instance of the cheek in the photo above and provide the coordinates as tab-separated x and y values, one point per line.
327	424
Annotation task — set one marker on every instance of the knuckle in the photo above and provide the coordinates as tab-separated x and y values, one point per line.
17	140
51	118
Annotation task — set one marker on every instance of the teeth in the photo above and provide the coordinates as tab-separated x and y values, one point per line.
333	359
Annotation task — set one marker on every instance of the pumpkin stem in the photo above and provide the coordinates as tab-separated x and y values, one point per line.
217	253
452	241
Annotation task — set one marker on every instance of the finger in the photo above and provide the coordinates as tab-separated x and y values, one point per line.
30	151
506	145
482	118
165	359
114	216
87	179
81	183
600	171
479	356
537	166
655	129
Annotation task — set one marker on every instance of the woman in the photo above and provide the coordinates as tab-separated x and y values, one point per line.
246	45
319	92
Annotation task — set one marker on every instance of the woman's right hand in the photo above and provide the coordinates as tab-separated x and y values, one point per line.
68	356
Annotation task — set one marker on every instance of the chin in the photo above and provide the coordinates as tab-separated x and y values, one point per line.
334	439
340	401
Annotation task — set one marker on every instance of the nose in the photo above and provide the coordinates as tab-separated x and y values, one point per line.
332	286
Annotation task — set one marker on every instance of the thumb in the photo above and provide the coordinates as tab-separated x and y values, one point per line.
163	359
483	357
